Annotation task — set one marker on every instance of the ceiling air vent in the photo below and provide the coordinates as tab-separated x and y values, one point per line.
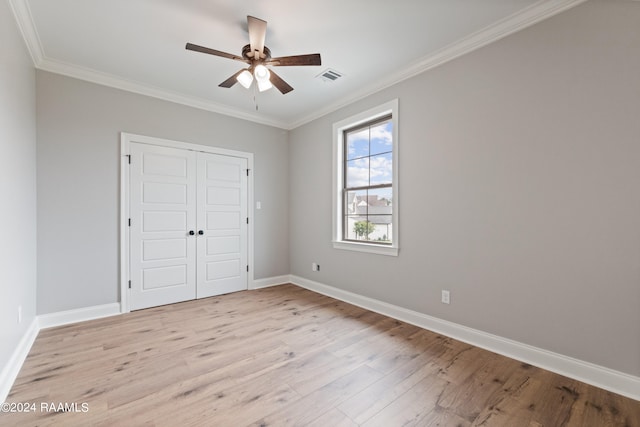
329	75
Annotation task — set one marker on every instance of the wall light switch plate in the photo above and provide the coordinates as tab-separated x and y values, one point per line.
446	297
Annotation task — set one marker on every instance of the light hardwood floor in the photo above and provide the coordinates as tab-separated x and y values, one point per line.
286	356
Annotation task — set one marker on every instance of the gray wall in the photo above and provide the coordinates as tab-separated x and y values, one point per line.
79	127
17	186
519	173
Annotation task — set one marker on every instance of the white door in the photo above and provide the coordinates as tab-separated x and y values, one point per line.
188	229
163	212
222	224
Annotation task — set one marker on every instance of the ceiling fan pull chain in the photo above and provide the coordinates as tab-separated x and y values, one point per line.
255	97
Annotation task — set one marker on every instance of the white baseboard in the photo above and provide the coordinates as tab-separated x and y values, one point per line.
12	368
599	376
78	315
270	281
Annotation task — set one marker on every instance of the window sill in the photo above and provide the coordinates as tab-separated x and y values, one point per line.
366	247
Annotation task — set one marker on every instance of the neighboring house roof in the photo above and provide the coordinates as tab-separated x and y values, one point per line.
374	200
369	201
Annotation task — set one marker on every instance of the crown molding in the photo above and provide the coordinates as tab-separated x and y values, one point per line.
24	19
531	15
110	80
520	20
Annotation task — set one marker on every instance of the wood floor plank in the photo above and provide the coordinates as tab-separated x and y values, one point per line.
285	356
333	418
377	396
314	405
470	396
412	406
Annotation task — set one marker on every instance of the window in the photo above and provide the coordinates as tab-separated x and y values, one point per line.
365	181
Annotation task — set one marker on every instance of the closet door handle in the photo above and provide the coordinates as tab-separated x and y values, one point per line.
191	232
200	232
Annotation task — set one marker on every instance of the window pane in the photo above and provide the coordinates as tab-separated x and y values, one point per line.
381	228
382	198
357	144
358	228
358	173
379	214
381	138
368	215
355	203
381	169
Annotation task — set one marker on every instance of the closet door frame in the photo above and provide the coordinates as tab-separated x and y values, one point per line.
125	144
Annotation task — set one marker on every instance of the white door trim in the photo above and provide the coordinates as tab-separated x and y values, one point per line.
125	143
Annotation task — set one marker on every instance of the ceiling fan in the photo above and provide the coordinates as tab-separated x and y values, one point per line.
258	57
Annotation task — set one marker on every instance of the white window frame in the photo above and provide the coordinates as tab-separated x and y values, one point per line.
385	109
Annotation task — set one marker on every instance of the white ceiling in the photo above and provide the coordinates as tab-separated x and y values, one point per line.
138	45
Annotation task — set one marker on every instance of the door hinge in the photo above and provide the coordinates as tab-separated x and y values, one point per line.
129	222
247	220
247	268
129	156
129	284
248	172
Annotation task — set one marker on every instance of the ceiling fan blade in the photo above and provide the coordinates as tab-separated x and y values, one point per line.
311	59
202	49
280	84
257	34
231	80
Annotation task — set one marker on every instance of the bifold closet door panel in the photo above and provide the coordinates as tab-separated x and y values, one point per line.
222	224
162	203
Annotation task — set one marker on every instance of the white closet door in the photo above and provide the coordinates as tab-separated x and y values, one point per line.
222	224
163	211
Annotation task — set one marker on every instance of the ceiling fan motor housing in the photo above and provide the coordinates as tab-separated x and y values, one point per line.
246	51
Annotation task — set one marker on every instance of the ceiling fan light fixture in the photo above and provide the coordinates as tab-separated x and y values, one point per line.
261	73
245	78
264	85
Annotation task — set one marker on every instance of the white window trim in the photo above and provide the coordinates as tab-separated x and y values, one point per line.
387	108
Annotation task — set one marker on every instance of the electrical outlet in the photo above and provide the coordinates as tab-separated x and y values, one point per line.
19	314
446	297
315	267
